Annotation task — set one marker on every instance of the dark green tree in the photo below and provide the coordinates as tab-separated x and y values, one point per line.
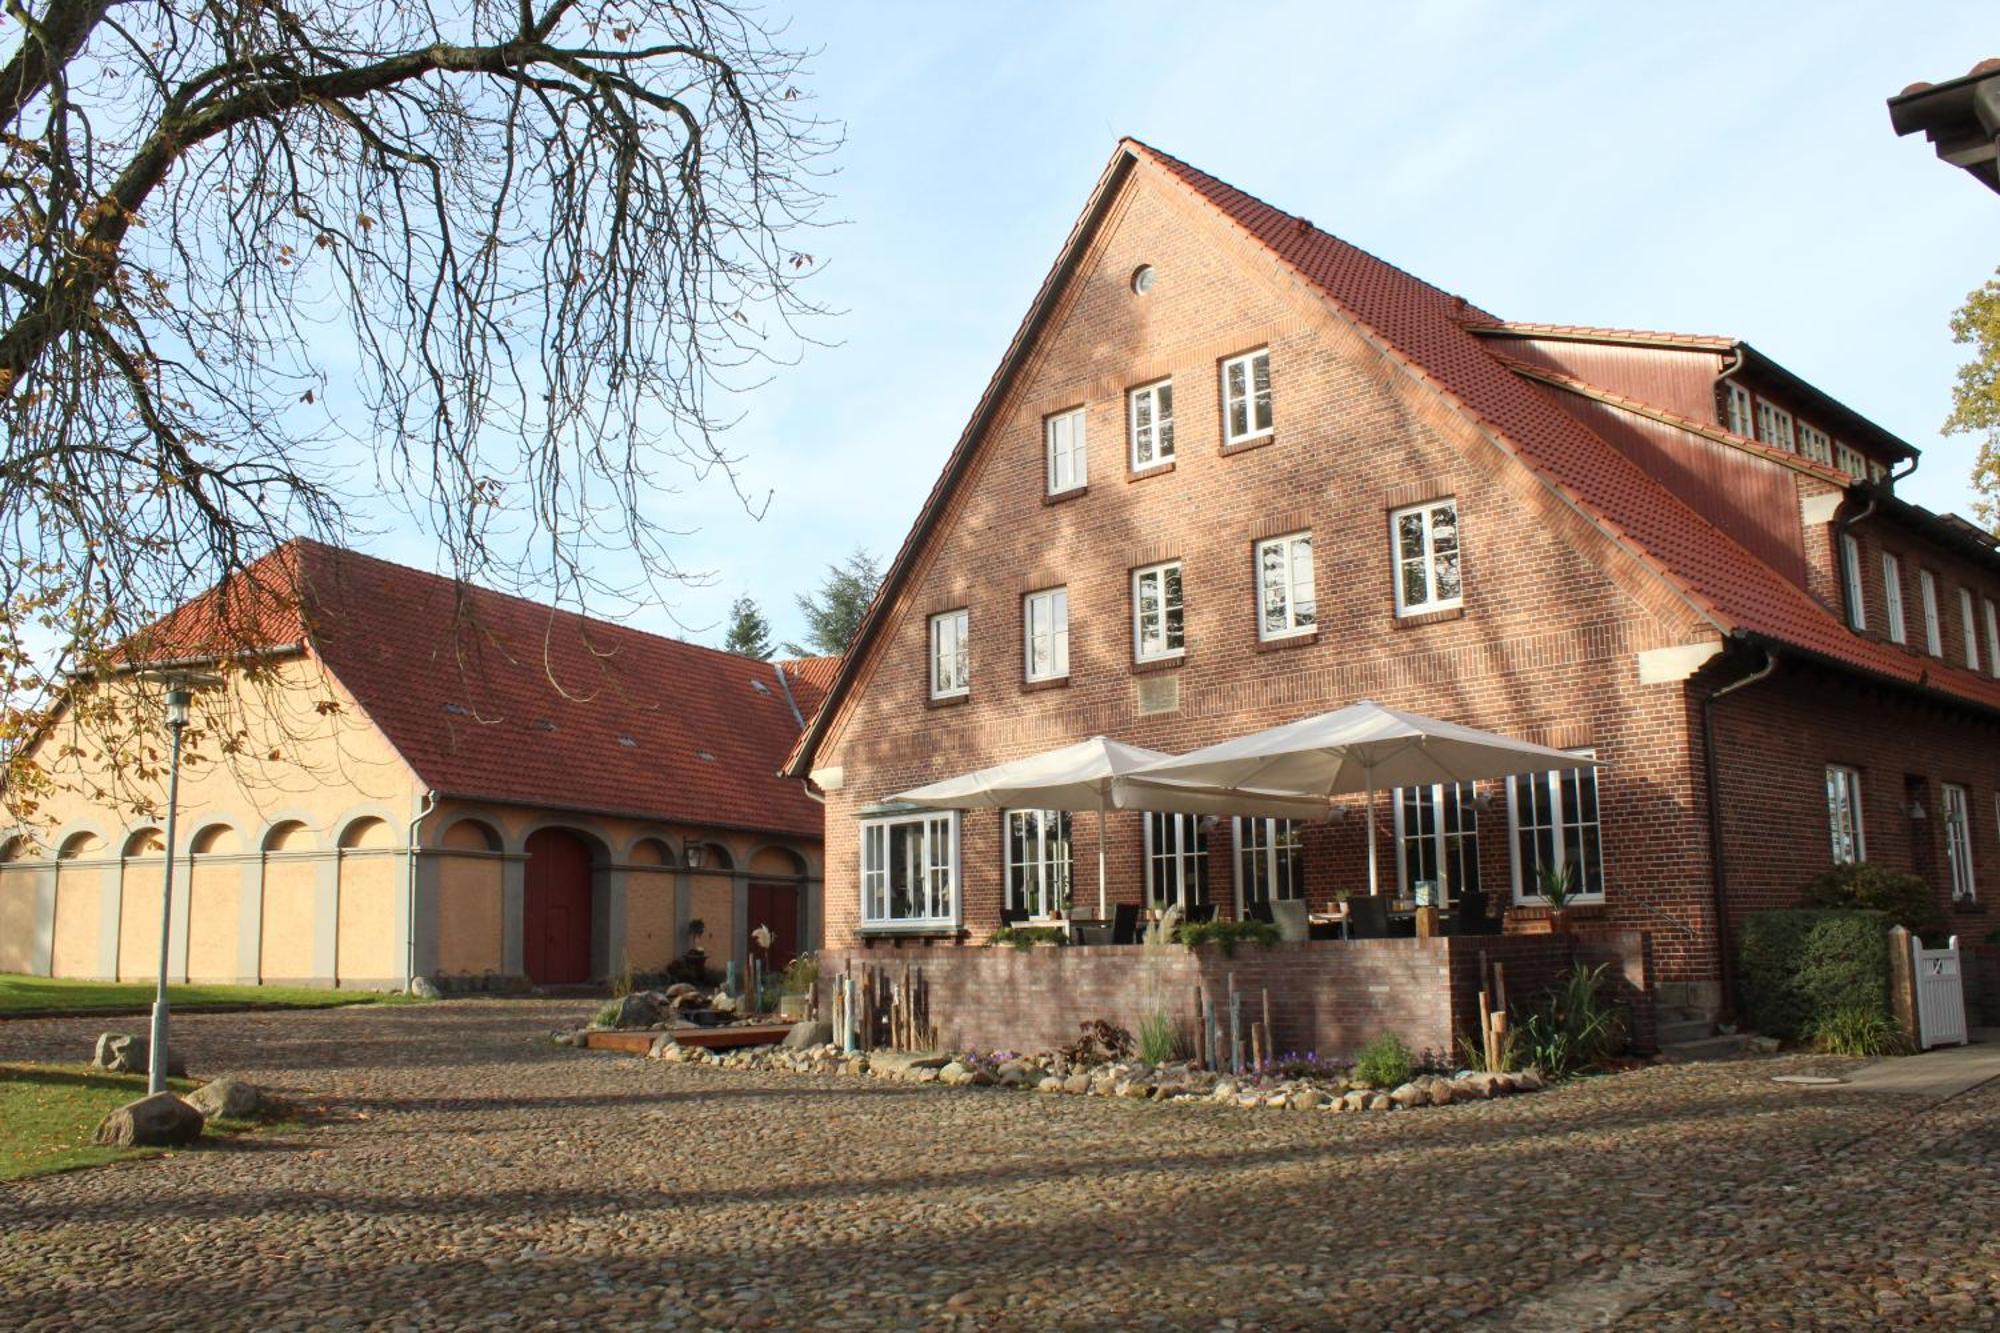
833	613
749	633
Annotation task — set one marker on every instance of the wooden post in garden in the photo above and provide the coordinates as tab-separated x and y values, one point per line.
1257	1047
1270	1032
1235	1028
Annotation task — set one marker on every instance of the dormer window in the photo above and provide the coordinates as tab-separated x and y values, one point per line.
1774	426
1736	414
1850	461
1815	444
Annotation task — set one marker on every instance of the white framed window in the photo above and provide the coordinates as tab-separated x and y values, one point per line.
1933	631
1849	460
1876	471
1774	426
1246	396
1270	861
909	870
1285	603
1892	597
1958	841
1969	626
1176	860
951	668
1069	460
1992	640
1736	414
1850	574
1437	834
1553	817
1158	624
1045	634
1843	814
1038	862
1815	444
1151	413
1424	540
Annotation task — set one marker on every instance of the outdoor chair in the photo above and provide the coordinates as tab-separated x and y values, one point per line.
1199	913
1090	932
1013	916
1259	912
1367	917
1289	916
1125	923
1472	917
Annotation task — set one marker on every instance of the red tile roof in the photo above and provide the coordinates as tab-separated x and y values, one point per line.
1427	330
493	697
1706	342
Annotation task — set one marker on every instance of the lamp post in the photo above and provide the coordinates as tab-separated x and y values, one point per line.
179	697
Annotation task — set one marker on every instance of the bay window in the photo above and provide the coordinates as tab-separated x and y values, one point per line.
1038	862
1176	860
1285	604
909	870
1554	820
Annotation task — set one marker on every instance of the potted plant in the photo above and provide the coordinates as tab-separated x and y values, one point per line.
796	985
696	955
1556	884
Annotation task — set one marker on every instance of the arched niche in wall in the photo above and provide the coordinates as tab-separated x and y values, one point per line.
144	842
471	835
289	836
367	833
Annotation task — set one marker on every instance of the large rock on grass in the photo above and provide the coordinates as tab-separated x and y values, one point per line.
807	1034
159	1121
637	1010
123	1053
228	1099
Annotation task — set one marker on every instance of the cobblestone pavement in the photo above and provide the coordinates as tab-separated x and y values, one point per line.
470	1173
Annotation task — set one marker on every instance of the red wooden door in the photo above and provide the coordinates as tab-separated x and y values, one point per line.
776	906
556	908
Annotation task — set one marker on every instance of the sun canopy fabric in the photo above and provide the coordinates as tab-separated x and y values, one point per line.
1096	774
1358	748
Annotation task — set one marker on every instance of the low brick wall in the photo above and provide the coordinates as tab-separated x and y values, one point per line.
1329	997
1980	968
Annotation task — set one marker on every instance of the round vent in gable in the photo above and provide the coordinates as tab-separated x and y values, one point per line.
1142	279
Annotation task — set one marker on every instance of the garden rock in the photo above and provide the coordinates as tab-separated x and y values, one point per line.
227	1098
1528	1080
425	989
636	1010
809	1033
1308	1099
1050	1084
954	1075
1381	1101
1354	1101
159	1121
1408	1095
1077	1085
122	1053
722	1002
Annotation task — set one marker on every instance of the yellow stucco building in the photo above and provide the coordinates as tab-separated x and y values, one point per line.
429	780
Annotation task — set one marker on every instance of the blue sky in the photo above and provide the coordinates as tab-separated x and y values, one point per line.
1697	168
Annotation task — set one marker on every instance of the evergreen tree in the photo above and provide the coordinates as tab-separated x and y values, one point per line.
834	612
749	632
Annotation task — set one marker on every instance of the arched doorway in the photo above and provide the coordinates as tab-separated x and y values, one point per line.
555	908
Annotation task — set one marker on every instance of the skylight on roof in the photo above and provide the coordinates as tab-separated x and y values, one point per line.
541	724
760	687
456	710
628	742
704	756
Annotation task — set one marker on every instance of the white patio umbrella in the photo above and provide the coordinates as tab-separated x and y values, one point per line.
1098	774
1358	749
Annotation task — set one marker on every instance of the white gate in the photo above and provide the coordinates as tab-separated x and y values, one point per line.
1940	995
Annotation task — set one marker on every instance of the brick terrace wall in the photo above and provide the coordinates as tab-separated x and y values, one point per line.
1544	648
1332	997
1981	964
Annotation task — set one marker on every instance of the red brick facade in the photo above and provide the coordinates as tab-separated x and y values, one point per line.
1558	609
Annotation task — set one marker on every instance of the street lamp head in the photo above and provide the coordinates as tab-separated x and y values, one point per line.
178	700
696	854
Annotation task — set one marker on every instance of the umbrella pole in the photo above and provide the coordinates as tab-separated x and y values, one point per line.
1102	909
1374	883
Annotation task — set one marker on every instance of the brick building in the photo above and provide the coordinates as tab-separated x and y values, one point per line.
1234	471
427	779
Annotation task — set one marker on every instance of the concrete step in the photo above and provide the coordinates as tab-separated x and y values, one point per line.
1676	1031
1725	1047
1674	1013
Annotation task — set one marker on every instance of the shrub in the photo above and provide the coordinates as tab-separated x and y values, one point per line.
1856	1030
1027	937
1905	899
1384	1062
800	975
1574	1026
1156	1039
1229	934
1101	1043
1802	964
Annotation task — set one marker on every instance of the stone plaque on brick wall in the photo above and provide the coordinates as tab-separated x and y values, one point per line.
1159	694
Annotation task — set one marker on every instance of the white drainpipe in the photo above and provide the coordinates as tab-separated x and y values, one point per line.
410	925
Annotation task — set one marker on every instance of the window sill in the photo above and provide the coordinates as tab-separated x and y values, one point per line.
1152	664
1284	641
948	701
1244	446
922	931
1037	686
1073	493
1418	619
1966	906
1150	470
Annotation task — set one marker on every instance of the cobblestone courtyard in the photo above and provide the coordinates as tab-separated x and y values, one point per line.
468	1173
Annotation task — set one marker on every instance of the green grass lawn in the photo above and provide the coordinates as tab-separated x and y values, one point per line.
27	995
48	1114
